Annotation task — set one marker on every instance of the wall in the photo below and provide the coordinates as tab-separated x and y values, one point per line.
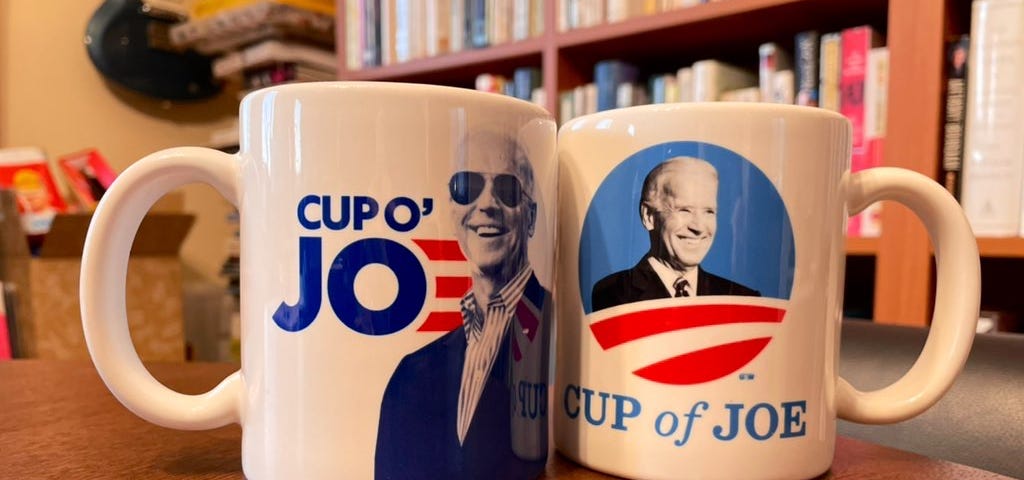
52	97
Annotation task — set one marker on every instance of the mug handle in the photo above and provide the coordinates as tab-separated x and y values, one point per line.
102	287
957	296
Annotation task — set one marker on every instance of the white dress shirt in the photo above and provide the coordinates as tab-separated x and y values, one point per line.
484	333
669	277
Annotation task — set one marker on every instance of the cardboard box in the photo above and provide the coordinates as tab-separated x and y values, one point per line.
49	321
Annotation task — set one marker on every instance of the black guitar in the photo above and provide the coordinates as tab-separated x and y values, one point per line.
128	45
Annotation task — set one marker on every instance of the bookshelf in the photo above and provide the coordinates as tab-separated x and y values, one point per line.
915	30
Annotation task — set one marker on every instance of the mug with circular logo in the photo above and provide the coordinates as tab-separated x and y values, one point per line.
397	254
700	286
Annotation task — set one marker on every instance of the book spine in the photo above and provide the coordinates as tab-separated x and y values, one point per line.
477	16
526	79
876	101
956	110
830	70
772	59
457	33
807	56
856	46
608	75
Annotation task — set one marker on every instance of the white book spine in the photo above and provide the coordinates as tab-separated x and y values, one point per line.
684	82
624	96
994	150
520	19
617	10
353	34
712	77
783	87
457	32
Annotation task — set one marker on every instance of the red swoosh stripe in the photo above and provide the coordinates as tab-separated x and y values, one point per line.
441	322
452	287
441	250
704	365
636	325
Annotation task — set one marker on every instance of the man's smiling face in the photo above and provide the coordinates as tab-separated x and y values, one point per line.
683	216
491	232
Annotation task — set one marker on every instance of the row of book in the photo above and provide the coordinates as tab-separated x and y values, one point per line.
573	14
385	32
844	71
983	147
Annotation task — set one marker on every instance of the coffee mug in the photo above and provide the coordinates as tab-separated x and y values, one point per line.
700	286
397	253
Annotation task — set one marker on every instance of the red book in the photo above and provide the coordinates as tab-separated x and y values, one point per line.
88	175
857	43
27	173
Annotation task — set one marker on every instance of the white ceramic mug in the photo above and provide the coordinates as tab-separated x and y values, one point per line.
397	252
732	374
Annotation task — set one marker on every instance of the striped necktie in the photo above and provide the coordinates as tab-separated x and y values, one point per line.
681	290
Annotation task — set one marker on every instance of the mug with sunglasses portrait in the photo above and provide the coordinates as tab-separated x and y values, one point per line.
397	262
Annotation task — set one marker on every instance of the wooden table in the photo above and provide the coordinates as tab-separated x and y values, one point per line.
58	420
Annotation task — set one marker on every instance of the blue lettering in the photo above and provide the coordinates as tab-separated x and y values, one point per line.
293	318
329	220
532	399
303	219
620	410
412	286
588	394
660	420
791	418
773	421
734	420
365	209
691	418
414	214
572	413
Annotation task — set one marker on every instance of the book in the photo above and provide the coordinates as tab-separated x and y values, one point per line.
807	68
830	69
88	175
955	112
608	75
876	101
26	171
772	59
993	167
712	77
857	43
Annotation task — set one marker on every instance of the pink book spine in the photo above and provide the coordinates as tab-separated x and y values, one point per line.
856	45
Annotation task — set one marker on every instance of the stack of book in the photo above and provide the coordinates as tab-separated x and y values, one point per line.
259	43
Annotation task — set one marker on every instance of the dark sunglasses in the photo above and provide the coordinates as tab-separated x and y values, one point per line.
465	187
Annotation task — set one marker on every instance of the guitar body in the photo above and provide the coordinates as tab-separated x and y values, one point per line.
119	40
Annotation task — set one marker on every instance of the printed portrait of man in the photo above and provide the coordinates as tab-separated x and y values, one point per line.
466	405
679	209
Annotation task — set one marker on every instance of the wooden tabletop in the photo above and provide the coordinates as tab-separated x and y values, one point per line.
57	420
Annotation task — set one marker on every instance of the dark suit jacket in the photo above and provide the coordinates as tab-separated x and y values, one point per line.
417	435
642	283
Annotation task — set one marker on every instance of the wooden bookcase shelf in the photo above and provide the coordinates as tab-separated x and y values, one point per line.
731	30
861	247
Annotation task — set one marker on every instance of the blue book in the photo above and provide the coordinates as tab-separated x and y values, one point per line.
608	75
525	79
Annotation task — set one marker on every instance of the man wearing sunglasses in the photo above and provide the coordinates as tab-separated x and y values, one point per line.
679	209
472	404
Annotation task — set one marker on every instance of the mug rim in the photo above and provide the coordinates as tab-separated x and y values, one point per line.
395	87
740	108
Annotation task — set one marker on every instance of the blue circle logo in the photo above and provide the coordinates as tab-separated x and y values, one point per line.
752	246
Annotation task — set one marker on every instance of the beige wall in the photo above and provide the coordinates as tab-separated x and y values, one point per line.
52	97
